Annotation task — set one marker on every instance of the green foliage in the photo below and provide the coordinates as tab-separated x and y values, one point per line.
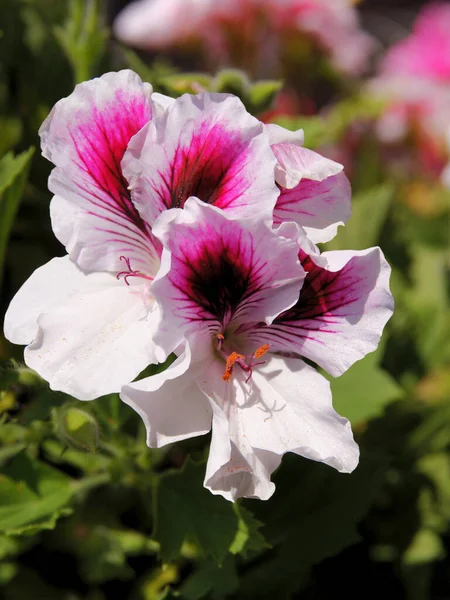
313	516
13	176
82	38
32	496
363	391
182	504
211	579
332	126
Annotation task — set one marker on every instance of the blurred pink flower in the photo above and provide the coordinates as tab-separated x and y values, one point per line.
426	52
233	29
414	79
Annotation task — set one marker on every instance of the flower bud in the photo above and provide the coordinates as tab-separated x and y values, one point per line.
78	429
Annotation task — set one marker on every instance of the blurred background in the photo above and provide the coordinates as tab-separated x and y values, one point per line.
87	511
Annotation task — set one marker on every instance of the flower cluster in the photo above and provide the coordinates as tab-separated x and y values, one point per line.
414	79
257	32
190	228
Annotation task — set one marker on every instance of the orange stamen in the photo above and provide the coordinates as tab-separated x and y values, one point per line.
261	350
231	360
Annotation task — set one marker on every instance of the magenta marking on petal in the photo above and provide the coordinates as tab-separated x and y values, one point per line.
211	168
325	299
315	203
100	137
215	276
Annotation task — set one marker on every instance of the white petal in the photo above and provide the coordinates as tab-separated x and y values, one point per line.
234	469
280	135
170	404
48	287
90	333
161	103
285	408
296	163
289	409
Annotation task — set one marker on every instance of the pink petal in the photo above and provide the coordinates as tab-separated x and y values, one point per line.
224	272
341	311
156	23
85	136
295	163
206	146
319	206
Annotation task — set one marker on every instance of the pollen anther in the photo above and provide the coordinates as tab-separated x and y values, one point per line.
231	361
261	350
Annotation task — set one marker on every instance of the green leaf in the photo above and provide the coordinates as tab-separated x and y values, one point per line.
8	571
428	303
331	127
82	37
11	129
210	578
185	83
185	510
425	547
10	548
312	515
232	81
262	94
369	211
32	496
28	584
248	539
363	391
101	546
13	175
9	373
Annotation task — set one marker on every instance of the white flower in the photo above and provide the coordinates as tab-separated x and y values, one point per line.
88	318
240	310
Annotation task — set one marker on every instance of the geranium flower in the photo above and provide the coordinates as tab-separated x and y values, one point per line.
89	317
414	80
426	51
254	34
240	310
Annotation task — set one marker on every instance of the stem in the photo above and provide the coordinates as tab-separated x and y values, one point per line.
90	482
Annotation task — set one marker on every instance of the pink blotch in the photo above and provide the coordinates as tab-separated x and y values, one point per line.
100	144
211	168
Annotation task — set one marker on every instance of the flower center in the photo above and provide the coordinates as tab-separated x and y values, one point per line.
247	364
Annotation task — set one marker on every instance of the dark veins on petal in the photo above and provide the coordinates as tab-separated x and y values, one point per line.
323	292
220	278
209	168
100	147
